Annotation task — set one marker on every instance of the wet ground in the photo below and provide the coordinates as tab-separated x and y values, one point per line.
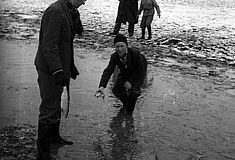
187	109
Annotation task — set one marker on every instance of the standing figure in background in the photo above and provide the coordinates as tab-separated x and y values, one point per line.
132	65
127	12
147	6
54	63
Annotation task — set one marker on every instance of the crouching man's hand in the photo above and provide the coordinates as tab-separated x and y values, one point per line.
100	93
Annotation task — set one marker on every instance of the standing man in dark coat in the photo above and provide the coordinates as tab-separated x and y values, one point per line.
132	65
127	12
55	65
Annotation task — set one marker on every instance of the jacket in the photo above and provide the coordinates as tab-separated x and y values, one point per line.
55	50
134	72
127	11
148	7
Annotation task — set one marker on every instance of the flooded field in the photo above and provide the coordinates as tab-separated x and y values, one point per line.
187	109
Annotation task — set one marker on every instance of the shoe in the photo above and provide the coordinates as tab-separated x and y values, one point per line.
61	141
55	136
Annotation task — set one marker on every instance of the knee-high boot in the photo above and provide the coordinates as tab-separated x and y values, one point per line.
131	105
43	143
142	34
124	100
149	32
55	135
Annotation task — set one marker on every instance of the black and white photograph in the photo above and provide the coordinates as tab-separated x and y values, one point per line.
117	80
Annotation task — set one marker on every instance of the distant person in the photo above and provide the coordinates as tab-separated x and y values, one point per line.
147	6
55	65
132	65
127	12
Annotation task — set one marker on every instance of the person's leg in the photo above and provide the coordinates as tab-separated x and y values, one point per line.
143	26
43	143
55	135
142	34
149	32
148	24
133	94
120	92
116	28
50	111
131	27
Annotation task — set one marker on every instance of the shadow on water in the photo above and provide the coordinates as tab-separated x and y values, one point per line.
122	143
123	140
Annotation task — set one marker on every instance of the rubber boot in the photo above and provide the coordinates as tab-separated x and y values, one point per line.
124	100
143	34
55	136
131	105
149	33
43	142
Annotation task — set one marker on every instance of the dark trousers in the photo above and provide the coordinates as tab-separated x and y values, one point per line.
118	26
128	98
50	113
50	109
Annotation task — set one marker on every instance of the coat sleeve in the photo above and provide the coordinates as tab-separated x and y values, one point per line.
139	73
141	8
156	7
52	26
108	71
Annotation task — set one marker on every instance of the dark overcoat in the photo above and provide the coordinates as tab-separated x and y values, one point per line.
55	50
127	11
134	71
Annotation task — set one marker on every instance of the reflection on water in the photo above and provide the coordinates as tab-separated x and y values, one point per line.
123	141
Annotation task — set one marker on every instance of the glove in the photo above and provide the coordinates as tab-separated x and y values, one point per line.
60	78
74	72
127	85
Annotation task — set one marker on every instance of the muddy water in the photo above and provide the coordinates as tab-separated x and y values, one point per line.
186	111
177	117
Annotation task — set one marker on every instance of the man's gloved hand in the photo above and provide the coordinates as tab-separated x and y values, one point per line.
74	72
60	78
127	85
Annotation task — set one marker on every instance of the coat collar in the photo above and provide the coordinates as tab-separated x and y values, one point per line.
64	4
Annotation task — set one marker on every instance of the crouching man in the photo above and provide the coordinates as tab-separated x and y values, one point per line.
132	65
